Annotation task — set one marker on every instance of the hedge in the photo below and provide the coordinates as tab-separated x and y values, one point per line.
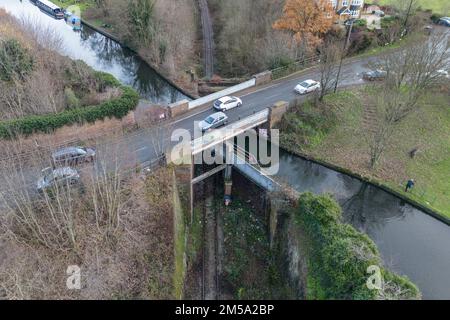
340	256
28	125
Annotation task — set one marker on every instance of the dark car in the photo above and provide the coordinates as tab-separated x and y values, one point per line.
55	178
73	156
445	21
375	75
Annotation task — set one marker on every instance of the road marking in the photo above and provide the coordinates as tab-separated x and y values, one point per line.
141	149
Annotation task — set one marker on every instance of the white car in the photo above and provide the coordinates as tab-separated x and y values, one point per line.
443	73
227	103
307	86
213	121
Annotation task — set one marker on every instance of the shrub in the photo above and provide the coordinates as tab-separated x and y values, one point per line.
71	99
106	80
15	60
340	255
117	108
435	17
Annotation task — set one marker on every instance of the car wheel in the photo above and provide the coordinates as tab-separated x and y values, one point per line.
239	104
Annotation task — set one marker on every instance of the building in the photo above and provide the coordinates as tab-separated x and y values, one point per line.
348	9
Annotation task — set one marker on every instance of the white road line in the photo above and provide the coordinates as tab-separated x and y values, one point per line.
142	149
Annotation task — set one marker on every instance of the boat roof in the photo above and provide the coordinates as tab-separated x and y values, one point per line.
49	3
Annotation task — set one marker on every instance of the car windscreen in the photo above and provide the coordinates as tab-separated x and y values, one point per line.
304	84
209	120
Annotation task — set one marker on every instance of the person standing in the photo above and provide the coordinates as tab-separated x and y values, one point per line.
409	185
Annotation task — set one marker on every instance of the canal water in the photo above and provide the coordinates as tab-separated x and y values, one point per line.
101	53
411	242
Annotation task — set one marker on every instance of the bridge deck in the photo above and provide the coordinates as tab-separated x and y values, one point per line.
221	135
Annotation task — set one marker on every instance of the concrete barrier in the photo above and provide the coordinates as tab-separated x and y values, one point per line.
214	96
177	108
263	78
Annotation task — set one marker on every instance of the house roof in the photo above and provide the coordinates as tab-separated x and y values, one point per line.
343	10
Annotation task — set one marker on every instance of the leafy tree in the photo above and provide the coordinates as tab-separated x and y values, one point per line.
306	20
15	61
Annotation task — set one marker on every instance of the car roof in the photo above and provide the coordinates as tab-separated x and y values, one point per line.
217	114
67	150
225	99
64	171
309	81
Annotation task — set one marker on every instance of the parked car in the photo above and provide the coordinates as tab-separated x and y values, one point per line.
443	73
379	13
307	86
59	177
444	21
73	156
227	103
213	121
375	75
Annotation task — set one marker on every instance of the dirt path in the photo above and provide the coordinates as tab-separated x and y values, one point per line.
208	39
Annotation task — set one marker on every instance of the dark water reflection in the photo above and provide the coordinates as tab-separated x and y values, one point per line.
102	54
411	242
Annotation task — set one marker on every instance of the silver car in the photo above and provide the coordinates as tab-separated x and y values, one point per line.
72	156
213	121
57	178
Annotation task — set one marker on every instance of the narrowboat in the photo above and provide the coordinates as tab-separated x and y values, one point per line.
50	8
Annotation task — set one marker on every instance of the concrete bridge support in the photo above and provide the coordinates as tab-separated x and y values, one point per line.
228	180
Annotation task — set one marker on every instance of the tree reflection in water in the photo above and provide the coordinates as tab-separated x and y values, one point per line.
133	70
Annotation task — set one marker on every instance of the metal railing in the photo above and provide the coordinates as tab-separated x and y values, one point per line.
294	67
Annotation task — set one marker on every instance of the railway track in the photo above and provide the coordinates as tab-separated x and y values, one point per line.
208	39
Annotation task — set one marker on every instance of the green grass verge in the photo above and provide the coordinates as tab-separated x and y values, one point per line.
335	133
83	5
437	6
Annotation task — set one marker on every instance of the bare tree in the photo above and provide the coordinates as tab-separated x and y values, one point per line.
413	71
410	74
329	60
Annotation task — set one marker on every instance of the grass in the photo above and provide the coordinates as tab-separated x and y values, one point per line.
83	5
437	6
344	144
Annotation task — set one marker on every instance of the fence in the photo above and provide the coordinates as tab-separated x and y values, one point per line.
294	67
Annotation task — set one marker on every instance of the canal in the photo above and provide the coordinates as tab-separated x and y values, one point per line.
411	242
101	53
